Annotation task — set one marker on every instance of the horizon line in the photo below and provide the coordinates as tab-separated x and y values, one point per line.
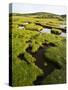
34	12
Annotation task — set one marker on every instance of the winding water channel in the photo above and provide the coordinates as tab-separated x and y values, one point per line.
45	30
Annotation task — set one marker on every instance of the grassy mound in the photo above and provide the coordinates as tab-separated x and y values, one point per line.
57	76
56	55
33	27
56	31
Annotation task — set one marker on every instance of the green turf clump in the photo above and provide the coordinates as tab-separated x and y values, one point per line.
56	56
37	42
29	57
33	27
57	76
56	31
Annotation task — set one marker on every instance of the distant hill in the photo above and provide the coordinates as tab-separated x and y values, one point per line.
37	13
42	15
63	16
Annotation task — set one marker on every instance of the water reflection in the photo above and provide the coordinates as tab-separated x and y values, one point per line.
47	30
63	34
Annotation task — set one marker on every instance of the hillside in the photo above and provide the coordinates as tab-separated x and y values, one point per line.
42	15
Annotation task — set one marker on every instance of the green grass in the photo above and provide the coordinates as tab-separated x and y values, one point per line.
23	73
32	26
24	70
56	55
29	58
56	31
57	76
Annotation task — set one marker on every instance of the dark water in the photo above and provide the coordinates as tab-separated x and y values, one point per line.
42	63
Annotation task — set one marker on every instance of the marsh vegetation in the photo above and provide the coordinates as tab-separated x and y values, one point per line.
38	46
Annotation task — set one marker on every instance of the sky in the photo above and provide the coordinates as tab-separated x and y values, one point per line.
31	8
